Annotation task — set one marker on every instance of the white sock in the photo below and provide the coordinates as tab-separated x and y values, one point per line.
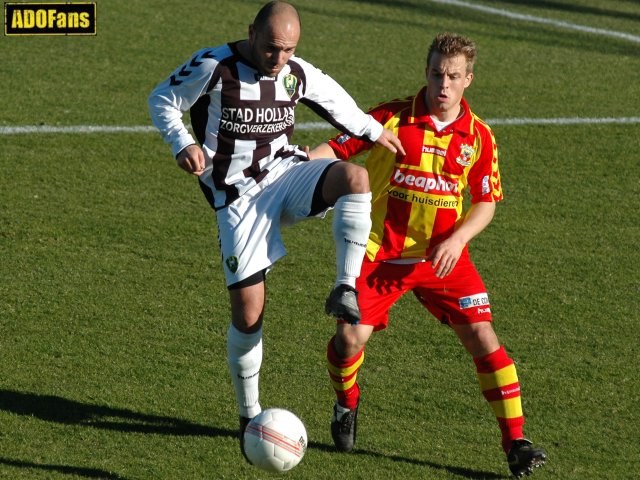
244	356
351	227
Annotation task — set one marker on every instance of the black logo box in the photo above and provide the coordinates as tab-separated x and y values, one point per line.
43	18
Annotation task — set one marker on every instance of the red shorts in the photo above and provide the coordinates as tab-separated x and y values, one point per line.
458	298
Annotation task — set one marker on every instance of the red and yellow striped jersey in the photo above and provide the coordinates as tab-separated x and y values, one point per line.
417	199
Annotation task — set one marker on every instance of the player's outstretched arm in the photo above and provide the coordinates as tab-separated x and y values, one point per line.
321	151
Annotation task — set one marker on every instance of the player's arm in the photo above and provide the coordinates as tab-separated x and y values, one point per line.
446	254
322	151
174	96
328	99
345	146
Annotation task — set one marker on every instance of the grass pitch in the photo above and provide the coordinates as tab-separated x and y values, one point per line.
113	309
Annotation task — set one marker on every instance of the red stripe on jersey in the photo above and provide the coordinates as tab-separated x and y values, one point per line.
443	225
412	137
395	226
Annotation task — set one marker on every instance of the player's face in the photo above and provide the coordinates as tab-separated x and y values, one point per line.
447	78
273	45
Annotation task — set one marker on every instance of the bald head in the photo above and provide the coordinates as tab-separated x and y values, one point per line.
283	11
273	37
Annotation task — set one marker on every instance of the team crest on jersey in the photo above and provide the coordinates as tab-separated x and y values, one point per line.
290	82
466	152
232	264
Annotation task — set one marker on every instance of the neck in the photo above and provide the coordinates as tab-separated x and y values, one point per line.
443	115
447	116
244	50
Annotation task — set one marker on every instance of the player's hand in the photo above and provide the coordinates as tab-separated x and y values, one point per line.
389	141
445	256
191	159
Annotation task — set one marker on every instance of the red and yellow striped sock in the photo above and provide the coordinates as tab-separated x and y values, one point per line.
343	374
500	387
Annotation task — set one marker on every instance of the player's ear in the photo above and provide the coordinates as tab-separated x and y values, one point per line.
468	79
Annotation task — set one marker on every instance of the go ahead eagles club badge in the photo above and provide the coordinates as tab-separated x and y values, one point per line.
290	82
466	152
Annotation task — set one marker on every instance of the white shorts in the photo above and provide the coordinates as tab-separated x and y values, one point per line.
249	228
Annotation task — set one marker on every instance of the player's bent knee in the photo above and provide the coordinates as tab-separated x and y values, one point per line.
357	179
343	179
351	339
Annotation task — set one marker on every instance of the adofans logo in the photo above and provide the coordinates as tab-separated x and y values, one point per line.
50	18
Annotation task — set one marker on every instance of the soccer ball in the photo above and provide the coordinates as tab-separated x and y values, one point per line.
275	440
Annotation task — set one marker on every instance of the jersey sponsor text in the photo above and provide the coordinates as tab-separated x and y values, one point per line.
424	181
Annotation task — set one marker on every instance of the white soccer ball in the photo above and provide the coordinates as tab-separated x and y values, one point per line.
275	440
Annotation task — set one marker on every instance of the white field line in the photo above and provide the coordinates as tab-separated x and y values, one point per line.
547	21
27	129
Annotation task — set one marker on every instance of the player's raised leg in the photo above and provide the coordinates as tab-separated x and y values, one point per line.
346	186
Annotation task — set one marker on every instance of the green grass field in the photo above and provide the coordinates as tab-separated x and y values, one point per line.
113	310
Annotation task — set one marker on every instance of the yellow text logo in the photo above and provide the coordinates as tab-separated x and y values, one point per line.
50	18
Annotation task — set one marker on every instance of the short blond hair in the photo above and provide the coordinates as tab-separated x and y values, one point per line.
451	45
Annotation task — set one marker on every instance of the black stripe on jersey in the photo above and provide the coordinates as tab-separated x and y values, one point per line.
199	111
199	116
221	163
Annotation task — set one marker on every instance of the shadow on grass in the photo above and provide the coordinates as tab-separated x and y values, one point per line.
69	412
79	471
459	471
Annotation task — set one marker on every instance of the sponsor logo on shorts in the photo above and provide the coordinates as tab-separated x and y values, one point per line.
478	300
232	264
64	18
484	310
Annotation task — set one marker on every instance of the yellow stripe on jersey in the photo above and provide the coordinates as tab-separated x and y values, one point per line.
416	244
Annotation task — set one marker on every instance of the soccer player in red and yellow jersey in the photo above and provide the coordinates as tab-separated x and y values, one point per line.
419	237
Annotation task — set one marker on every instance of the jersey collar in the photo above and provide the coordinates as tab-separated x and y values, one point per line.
420	114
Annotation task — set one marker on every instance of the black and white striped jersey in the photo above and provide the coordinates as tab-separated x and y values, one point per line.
243	120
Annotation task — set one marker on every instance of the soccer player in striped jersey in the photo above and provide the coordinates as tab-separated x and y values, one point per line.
419	239
242	97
